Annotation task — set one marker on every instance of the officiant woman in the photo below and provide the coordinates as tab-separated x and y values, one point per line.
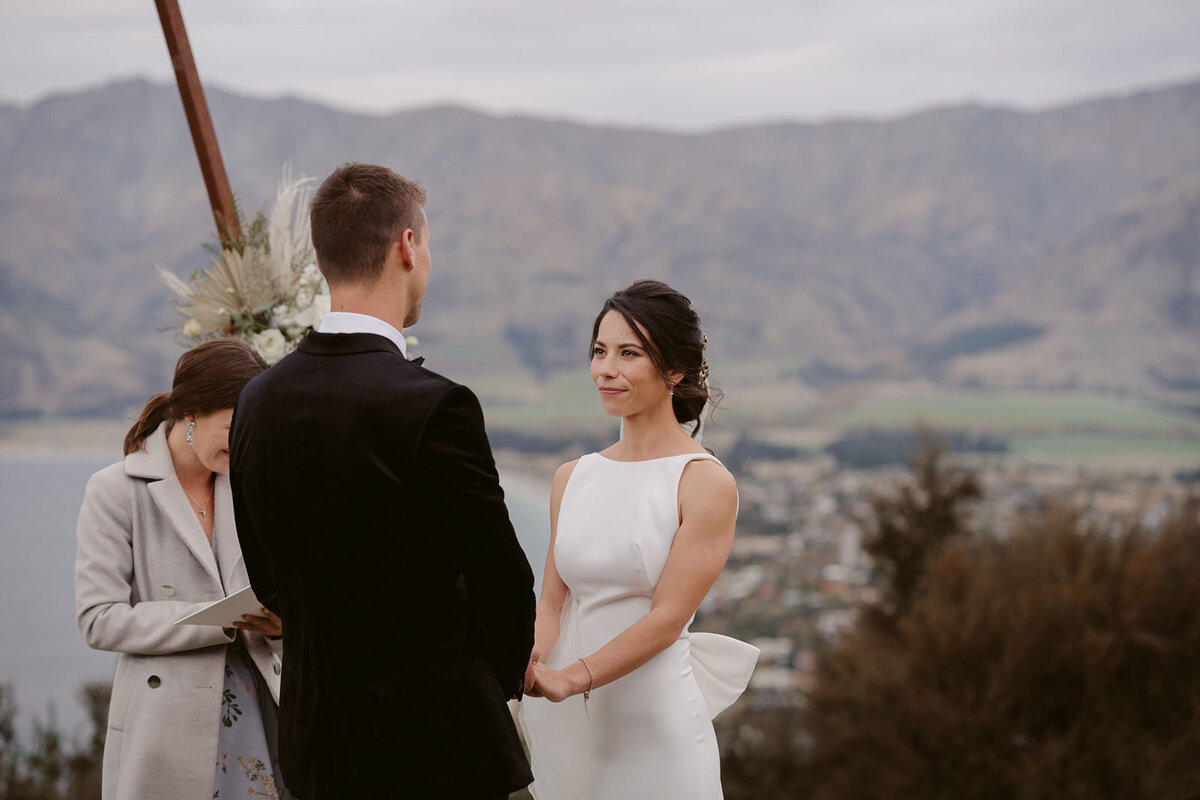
193	710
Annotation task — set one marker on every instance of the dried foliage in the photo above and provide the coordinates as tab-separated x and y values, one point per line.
911	524
762	752
1060	661
262	284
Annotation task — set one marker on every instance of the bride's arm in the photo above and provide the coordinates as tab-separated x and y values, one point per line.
554	591
708	514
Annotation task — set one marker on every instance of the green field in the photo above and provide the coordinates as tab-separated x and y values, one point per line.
1140	453
566	401
1067	428
1074	429
1002	412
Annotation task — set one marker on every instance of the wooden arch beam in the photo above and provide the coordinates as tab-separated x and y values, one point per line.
204	136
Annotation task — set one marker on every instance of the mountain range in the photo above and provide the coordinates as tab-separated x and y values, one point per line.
969	245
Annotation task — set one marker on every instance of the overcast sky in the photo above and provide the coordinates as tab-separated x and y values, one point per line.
679	64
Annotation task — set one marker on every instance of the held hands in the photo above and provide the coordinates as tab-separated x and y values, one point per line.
555	685
268	624
530	677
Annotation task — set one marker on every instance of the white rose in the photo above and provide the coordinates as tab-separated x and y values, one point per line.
270	344
306	318
192	328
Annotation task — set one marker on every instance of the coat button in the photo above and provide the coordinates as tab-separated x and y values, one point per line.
154	681
168	590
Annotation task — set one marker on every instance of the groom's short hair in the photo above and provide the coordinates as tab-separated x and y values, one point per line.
357	215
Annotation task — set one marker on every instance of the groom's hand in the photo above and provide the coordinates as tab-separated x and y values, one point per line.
554	685
531	676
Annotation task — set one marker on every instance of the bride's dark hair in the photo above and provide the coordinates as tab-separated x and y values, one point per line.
673	340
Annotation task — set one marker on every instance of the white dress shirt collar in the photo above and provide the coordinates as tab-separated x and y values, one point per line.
349	322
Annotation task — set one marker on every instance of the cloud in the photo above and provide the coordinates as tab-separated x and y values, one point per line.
671	63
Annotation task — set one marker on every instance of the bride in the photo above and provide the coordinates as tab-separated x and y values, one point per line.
639	533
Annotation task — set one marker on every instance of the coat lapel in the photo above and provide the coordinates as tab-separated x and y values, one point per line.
155	463
168	494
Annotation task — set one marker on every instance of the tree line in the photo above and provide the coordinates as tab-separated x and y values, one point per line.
1058	659
49	767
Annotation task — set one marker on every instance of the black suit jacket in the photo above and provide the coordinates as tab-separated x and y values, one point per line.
372	521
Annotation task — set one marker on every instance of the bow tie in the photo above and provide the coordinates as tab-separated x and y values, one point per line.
418	361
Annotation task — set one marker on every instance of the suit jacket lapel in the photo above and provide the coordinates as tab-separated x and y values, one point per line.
155	463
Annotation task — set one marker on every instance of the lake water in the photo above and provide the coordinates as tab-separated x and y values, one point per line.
41	651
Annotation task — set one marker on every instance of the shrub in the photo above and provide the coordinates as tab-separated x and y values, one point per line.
1062	661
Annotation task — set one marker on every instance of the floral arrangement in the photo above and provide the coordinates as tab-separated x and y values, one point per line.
262	286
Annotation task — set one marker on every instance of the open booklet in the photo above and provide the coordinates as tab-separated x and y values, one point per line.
226	611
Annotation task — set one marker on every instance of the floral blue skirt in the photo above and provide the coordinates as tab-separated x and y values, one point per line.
247	745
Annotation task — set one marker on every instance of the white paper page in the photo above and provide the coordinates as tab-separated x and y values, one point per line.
227	611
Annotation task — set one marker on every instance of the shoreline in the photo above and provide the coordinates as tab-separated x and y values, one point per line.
527	476
63	437
530	474
93	438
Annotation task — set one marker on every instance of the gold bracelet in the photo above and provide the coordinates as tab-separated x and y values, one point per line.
588	691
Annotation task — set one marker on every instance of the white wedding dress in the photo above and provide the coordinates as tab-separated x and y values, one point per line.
648	735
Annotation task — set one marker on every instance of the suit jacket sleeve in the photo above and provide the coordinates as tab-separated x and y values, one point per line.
454	462
258	569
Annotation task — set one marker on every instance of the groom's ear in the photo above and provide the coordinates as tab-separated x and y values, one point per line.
406	244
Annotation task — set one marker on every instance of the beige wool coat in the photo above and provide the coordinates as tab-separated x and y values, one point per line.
142	563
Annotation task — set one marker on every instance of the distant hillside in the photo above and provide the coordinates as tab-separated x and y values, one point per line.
970	244
1117	305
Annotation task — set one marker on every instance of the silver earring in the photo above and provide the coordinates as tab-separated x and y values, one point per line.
671	391
191	427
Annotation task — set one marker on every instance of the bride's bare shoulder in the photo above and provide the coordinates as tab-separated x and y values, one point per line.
709	479
562	475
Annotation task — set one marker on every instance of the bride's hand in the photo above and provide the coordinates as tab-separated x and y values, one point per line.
552	684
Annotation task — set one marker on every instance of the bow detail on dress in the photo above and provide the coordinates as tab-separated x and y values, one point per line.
722	666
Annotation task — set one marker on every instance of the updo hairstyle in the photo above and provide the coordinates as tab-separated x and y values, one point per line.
673	340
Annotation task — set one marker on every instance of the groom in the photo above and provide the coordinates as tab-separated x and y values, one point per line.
372	521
